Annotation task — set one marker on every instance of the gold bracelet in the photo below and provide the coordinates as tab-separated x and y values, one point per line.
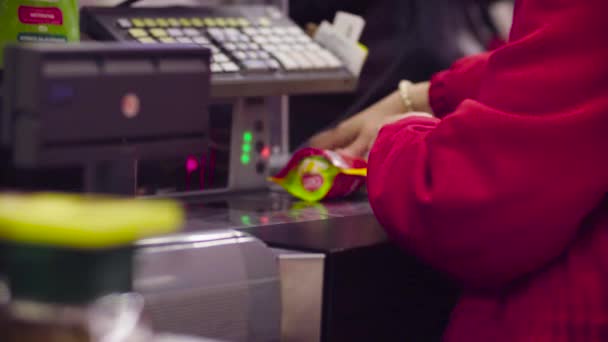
404	91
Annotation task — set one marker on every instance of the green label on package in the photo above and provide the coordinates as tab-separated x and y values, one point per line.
48	21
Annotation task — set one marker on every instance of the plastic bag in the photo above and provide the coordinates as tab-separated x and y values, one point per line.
313	175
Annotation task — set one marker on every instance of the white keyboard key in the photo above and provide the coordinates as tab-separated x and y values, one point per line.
215	68
230	47
279	31
304	39
215	31
275	40
273	65
251	31
184	40
220	58
147	40
124	23
293	30
230	67
302	61
265	31
201	40
316	60
175	32
288	63
260	40
232	32
192	32
332	60
240	55
314	46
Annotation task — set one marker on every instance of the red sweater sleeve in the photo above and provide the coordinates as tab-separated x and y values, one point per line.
450	87
499	188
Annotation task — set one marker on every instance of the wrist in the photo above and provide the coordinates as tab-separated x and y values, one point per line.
405	94
415	96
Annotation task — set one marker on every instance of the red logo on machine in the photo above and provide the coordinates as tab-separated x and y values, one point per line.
312	182
40	15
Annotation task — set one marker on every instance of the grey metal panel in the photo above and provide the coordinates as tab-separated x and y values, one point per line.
220	284
246	112
302	295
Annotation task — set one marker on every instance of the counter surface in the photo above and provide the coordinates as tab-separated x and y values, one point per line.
284	222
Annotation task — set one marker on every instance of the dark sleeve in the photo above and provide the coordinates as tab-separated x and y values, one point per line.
315	11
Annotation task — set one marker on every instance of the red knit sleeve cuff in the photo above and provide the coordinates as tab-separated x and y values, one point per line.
450	87
438	95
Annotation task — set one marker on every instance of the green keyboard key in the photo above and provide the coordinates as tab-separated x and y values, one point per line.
138	22
174	22
221	22
167	40
138	33
158	32
162	22
232	22
244	22
149	22
210	22
197	22
185	22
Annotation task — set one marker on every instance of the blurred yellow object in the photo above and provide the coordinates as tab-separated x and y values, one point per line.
355	172
84	222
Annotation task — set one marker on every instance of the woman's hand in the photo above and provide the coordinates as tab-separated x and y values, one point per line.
355	135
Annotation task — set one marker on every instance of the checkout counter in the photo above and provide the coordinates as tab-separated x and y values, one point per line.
251	264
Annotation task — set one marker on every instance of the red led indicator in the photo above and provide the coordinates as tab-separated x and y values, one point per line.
265	152
264	220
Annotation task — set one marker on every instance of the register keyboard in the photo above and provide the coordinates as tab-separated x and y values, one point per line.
256	50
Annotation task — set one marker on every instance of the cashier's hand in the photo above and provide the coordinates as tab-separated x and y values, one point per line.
354	136
366	136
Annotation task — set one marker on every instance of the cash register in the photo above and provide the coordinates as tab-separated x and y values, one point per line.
251	264
256	49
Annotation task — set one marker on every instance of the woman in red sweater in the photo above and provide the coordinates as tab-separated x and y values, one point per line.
505	188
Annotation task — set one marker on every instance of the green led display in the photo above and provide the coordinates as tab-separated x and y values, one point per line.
247	136
246	220
247	148
245	159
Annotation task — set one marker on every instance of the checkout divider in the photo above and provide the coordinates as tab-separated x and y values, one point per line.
250	264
